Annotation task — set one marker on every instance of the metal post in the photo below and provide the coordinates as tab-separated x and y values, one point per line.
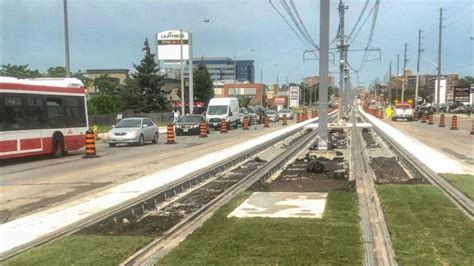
418	67
66	40
183	102
404	68
398	73
342	65
191	74
439	58
323	74
390	83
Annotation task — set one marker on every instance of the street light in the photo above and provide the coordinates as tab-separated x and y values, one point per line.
190	55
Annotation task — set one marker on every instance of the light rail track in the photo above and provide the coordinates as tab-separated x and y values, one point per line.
139	206
420	170
378	249
155	250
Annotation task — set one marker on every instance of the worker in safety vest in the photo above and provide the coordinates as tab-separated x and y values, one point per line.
388	111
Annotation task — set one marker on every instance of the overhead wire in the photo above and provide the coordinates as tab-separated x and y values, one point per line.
289	25
359	18
302	24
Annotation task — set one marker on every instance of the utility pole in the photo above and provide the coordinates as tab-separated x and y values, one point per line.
390	82
439	58
342	45
398	73
66	40
418	67
404	68
323	73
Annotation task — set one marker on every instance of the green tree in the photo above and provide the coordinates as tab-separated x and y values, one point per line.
150	81
132	97
102	104
466	81
203	86
19	71
107	100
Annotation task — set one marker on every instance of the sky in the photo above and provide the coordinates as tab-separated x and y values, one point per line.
110	34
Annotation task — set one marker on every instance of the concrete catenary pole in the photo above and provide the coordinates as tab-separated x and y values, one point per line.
191	74
66	40
390	83
439	58
183	102
403	74
418	67
398	73
323	74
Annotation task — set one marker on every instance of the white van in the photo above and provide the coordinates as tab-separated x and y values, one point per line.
218	108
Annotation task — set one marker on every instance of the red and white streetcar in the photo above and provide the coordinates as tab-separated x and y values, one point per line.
41	116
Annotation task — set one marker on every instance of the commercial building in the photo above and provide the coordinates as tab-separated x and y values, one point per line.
116	77
220	68
254	91
448	82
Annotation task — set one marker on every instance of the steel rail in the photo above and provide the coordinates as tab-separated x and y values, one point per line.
377	244
155	250
140	205
419	169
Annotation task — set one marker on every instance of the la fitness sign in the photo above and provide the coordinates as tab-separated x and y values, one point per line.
169	45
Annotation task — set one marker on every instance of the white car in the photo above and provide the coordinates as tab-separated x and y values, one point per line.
133	131
402	111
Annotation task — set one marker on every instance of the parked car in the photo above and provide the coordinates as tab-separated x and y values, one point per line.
423	110
133	131
402	111
463	109
189	124
272	115
289	114
248	112
453	106
259	112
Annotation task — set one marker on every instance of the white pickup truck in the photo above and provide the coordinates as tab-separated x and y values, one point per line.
402	111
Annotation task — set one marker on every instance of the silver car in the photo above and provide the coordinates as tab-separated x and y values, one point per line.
287	112
272	115
133	131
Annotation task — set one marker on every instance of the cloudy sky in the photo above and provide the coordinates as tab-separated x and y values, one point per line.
110	33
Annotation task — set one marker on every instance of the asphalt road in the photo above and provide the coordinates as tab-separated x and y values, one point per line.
456	144
33	184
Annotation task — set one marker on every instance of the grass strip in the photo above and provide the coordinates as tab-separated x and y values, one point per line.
426	228
82	250
334	239
463	182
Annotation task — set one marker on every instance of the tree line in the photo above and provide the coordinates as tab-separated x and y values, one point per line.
142	92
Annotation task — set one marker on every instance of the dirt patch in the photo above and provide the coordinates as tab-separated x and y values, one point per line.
388	171
296	178
156	222
369	139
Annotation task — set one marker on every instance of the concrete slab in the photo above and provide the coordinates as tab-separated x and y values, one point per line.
282	205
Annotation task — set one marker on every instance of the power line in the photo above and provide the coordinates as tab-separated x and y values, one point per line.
302	24
298	23
359	18
371	35
289	25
